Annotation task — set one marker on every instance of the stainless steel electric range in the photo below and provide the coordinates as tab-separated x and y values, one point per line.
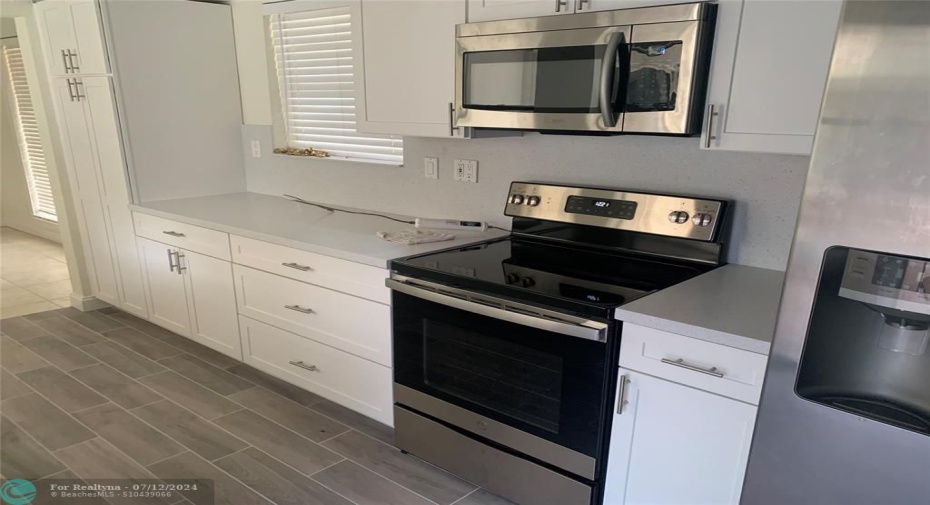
505	352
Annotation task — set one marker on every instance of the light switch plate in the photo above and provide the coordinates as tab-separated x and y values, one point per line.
256	149
431	168
466	170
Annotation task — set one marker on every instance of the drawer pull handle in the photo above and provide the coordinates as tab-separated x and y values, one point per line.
680	362
298	308
301	364
297	266
173	233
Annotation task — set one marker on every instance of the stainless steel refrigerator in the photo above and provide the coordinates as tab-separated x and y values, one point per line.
845	410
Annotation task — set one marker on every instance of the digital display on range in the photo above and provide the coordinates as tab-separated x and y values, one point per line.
619	209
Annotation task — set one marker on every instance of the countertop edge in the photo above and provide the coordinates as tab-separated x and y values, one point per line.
344	254
696	332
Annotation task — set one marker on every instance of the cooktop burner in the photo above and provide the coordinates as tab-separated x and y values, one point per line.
567	277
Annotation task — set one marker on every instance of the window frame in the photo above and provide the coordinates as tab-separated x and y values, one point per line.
280	121
45	210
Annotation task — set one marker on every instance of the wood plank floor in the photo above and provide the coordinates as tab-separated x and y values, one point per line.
107	395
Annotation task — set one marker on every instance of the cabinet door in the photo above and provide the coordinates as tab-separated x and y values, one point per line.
609	5
211	299
79	148
768	73
407	66
72	27
672	444
490	10
97	97
167	300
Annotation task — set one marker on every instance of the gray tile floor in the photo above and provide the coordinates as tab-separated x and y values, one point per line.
106	395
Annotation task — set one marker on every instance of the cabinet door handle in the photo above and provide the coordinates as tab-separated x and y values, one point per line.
64	60
559	4
681	363
77	90
70	90
173	233
301	364
178	256
711	113
298	308
71	55
171	265
451	119
621	394
579	5
297	266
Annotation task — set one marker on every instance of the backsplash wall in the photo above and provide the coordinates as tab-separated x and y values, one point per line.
766	187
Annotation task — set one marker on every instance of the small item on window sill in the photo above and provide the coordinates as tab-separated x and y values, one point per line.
414	237
296	151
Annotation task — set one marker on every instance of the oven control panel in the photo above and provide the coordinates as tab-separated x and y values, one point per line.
674	216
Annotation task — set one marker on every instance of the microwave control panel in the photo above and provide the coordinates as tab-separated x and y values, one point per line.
674	216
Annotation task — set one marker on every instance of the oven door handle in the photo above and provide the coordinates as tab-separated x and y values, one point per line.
566	325
607	78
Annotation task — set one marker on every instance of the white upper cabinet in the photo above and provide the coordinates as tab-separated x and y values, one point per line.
73	41
768	72
673	444
491	10
407	67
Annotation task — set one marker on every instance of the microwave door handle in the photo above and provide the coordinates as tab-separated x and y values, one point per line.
610	61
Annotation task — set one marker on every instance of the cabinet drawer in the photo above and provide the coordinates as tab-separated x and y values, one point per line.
187	236
680	359
353	324
340	275
356	383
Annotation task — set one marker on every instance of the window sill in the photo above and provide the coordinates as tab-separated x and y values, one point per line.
358	161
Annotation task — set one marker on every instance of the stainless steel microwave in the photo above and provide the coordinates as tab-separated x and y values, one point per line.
623	71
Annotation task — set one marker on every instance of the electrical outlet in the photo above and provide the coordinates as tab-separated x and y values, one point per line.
431	168
256	149
466	170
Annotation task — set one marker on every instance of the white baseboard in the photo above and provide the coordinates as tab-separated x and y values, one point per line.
85	303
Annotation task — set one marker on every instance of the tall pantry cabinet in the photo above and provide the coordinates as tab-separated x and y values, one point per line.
90	138
142	116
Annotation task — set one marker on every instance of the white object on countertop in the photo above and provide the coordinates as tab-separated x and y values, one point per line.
450	224
413	237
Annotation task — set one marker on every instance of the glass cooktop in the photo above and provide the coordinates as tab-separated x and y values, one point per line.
562	276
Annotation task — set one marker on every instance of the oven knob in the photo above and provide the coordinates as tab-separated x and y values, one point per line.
702	219
512	278
528	282
678	216
532	201
516	199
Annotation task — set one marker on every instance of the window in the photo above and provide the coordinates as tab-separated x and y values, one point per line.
27	131
314	65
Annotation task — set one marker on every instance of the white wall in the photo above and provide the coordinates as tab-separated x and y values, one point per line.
766	188
15	206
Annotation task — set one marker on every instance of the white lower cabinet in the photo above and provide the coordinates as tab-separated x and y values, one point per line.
673	444
192	295
167	295
356	383
211	299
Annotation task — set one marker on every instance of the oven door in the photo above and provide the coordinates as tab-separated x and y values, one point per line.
545	80
535	385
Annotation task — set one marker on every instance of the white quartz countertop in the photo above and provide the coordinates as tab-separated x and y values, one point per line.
285	222
733	305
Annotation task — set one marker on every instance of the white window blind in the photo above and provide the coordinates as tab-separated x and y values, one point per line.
30	145
313	57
